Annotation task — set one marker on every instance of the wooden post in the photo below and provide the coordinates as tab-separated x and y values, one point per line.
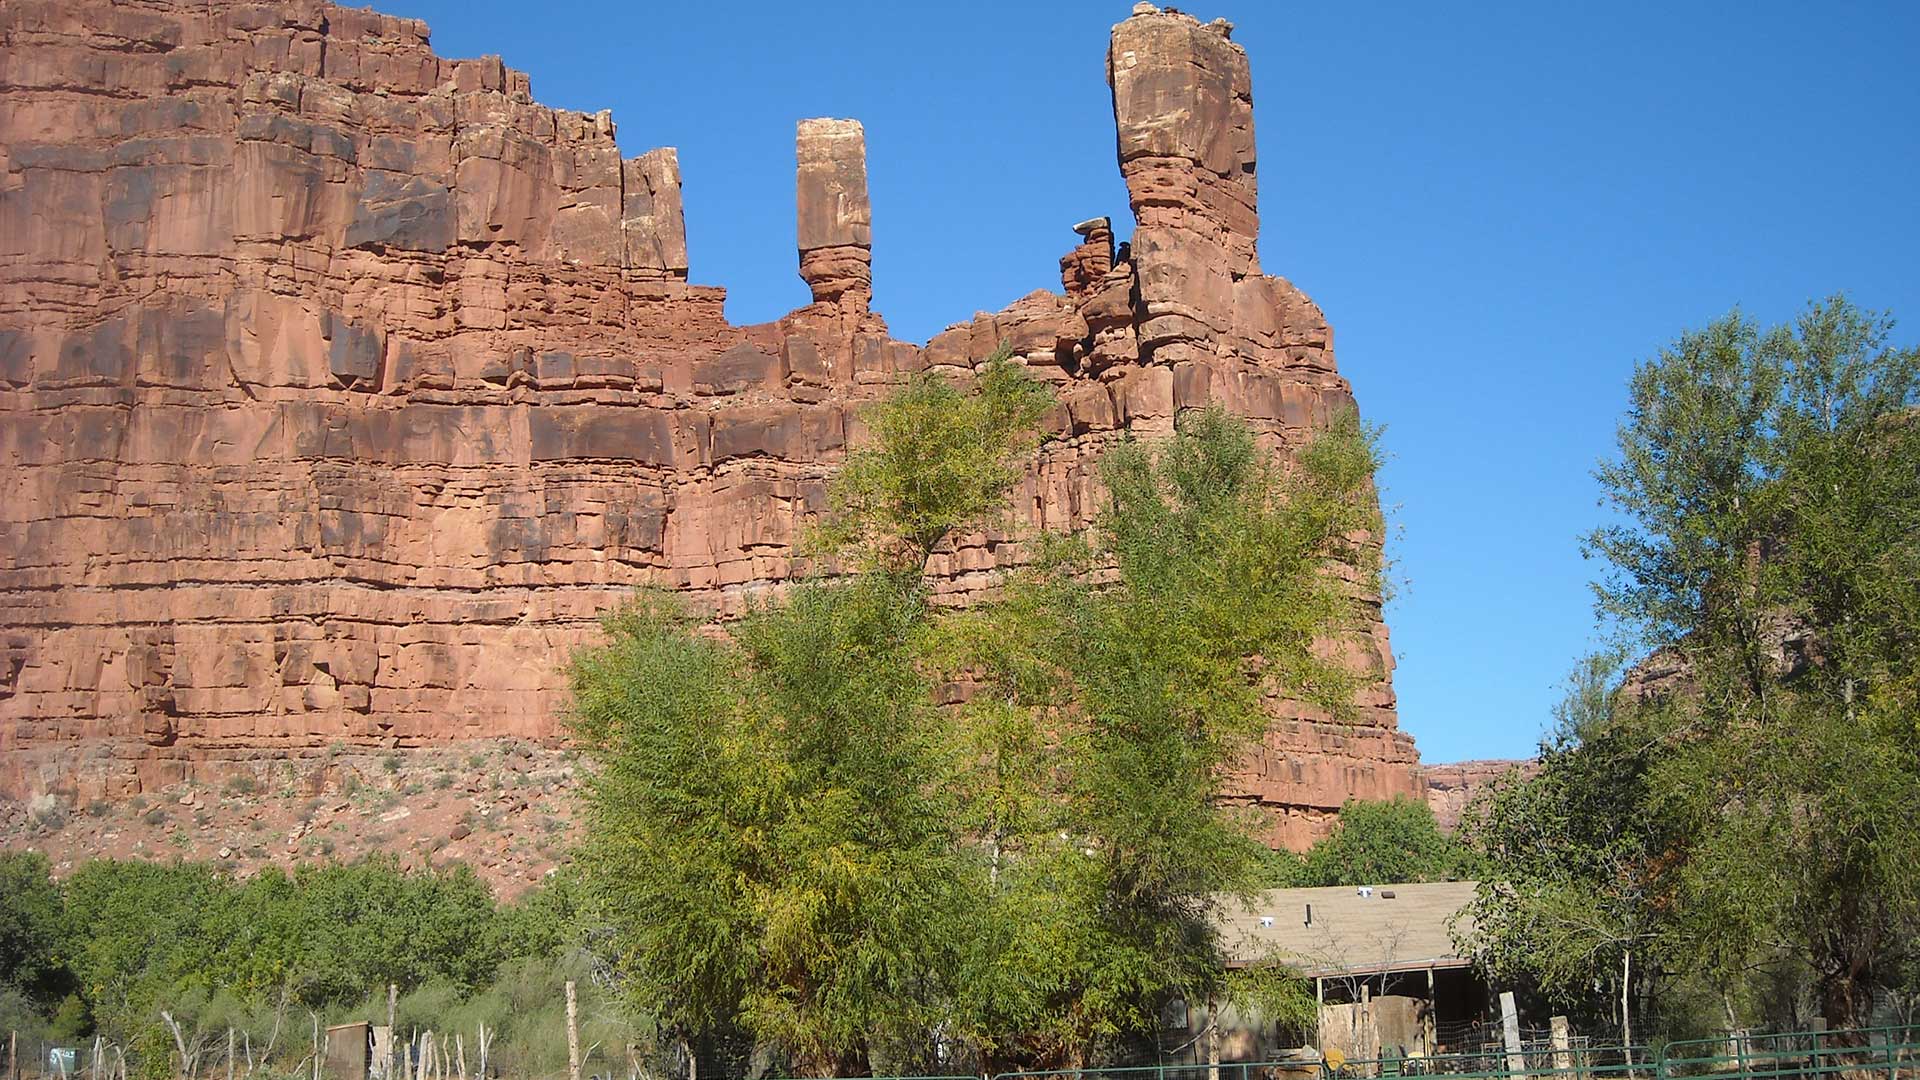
229	1056
96	1058
573	1035
393	1005
1430	1027
1510	1034
1367	1034
13	1050
1561	1034
316	1045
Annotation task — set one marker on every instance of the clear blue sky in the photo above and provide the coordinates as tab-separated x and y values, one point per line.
1500	206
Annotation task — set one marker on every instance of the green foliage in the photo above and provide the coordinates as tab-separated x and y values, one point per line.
940	458
1384	842
1111	713
134	938
1574	859
70	1020
1748	807
30	925
788	837
765	835
769	840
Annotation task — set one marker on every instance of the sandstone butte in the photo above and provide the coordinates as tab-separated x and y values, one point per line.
343	387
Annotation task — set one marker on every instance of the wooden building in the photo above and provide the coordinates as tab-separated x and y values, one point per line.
1389	979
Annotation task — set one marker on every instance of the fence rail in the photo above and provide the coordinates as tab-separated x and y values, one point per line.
1888	1053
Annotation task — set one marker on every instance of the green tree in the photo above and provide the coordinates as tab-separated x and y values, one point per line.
940	458
1131	701
789	836
30	926
1384	842
1758	785
1575	889
769	838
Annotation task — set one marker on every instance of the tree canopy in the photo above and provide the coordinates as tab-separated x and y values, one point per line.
1744	801
1382	842
868	831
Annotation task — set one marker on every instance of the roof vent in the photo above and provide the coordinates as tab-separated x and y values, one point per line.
1266	922
1386	894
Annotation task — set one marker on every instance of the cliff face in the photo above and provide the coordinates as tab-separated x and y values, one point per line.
1452	787
342	386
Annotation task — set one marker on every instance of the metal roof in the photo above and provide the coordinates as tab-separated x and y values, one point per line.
1352	930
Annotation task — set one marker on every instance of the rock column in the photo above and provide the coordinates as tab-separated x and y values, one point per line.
1183	103
652	218
835	218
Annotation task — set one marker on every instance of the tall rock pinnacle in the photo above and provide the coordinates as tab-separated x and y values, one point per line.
343	387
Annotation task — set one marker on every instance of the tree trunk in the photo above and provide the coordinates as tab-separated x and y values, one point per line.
1626	998
1846	1003
1847	1000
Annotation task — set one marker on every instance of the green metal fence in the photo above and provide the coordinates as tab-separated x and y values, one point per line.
1891	1053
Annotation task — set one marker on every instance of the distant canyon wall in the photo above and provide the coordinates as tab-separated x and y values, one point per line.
343	386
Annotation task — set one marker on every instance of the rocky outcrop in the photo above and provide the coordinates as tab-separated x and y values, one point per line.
1452	787
343	386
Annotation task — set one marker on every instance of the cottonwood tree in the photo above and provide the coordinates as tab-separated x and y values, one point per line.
1376	842
1765	558
788	837
1123	679
769	836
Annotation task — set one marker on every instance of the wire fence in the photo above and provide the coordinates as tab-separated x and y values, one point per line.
1886	1053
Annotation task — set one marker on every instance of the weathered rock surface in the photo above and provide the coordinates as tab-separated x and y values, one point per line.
1453	786
343	386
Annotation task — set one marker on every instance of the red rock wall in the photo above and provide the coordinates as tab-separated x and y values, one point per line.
342	386
1451	788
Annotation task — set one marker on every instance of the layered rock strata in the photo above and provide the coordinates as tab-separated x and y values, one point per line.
343	386
1454	786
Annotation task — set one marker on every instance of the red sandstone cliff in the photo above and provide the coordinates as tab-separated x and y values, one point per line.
343	386
1452	787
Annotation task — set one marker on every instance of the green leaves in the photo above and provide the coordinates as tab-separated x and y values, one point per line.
939	459
1126	676
136	937
1738	808
1383	842
790	838
770	838
31	931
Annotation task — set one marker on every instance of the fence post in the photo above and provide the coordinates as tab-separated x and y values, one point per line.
393	1006
1510	1034
573	1036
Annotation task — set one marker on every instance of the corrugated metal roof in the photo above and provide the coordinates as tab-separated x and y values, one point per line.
1350	933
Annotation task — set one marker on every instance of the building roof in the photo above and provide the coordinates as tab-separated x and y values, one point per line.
1352	931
